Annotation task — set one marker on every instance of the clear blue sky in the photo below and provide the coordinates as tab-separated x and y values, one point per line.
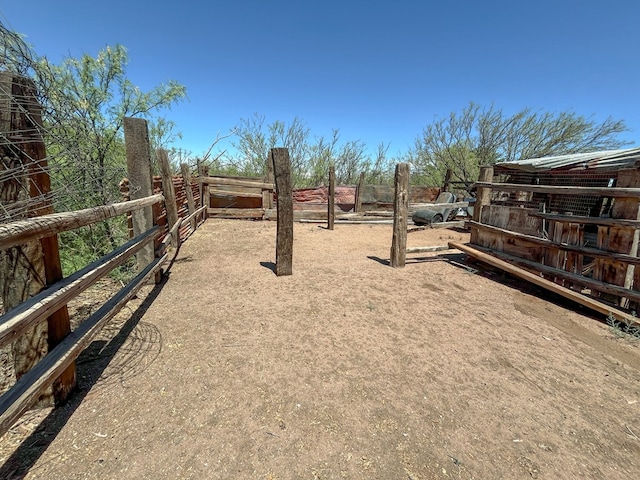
377	70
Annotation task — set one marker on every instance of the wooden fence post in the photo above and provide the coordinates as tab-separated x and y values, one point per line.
205	198
26	269
284	236
400	214
169	193
447	180
136	136
191	204
331	201
358	201
483	197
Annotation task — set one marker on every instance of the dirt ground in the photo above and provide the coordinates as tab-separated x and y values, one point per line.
346	369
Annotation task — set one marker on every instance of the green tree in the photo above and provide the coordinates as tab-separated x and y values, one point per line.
84	103
484	136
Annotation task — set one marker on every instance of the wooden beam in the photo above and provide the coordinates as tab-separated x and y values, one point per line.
193	217
483	197
169	193
436	248
26	391
331	201
591	252
358	205
614	192
284	190
605	222
16	233
20	319
267	195
237	183
236	212
544	283
400	214
227	193
191	204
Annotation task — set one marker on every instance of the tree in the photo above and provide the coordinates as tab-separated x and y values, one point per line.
84	103
484	136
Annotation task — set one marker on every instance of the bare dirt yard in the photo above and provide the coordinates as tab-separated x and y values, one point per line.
346	369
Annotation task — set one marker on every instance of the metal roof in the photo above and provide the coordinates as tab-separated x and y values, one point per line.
606	160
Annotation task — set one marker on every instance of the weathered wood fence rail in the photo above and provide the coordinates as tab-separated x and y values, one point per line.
37	309
596	256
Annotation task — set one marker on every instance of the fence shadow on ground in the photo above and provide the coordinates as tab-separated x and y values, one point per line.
91	365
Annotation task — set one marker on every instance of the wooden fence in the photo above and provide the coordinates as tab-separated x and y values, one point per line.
594	256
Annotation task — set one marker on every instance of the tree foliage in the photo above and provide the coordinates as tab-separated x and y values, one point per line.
84	103
484	136
310	156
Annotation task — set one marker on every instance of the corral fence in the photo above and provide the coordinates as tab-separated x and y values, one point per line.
579	229
36	327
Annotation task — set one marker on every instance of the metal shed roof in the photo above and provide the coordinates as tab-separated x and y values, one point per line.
605	159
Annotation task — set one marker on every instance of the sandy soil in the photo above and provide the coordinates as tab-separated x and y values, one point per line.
346	369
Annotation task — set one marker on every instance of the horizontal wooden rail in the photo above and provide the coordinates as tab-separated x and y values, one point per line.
230	193
436	248
39	307
590	252
616	192
194	214
604	222
16	233
544	283
237	212
30	386
172	236
418	206
558	272
236	183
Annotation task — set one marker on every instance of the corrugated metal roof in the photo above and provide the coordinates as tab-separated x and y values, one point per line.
606	160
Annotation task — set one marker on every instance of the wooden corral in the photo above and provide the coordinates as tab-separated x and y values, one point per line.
576	225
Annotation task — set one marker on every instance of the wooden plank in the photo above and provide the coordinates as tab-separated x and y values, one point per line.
236	212
27	314
512	218
27	390
22	231
591	252
612	192
237	183
267	195
331	201
358	204
193	217
284	190
400	216
609	222
169	192
229	193
191	204
434	248
544	283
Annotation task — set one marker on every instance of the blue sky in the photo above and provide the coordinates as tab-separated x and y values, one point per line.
377	70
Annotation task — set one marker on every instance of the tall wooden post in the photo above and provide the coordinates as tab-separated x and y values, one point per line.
169	193
205	198
284	235
358	202
400	214
331	201
136	137
447	180
191	204
26	269
483	197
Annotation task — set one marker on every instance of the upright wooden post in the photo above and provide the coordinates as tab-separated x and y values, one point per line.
358	206
26	269
483	197
331	201
169	193
284	236
191	204
136	137
400	216
267	195
447	180
205	198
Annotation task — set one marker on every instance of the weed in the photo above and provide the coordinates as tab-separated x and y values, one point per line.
623	329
